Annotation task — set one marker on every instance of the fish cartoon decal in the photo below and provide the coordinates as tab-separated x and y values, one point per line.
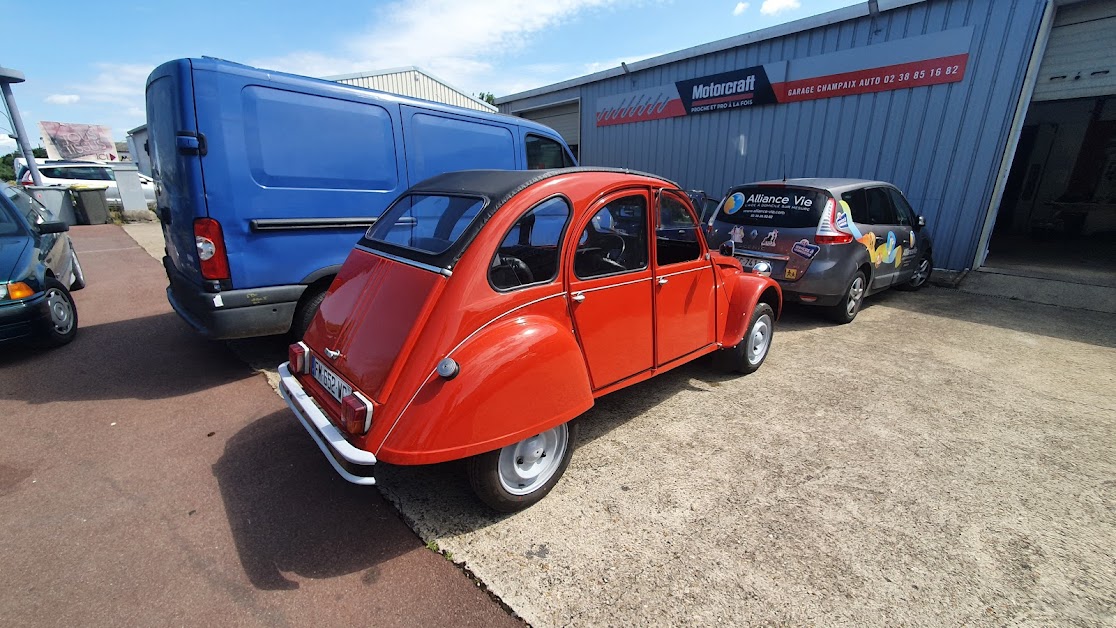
886	252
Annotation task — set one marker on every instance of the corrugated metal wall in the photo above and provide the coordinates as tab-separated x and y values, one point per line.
941	144
1080	61
417	85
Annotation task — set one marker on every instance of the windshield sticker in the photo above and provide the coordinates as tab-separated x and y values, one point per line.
885	252
754	234
805	249
770	239
734	203
737	234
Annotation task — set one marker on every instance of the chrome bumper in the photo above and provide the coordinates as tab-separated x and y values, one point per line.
329	439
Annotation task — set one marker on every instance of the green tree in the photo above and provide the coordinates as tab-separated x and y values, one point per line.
7	163
487	97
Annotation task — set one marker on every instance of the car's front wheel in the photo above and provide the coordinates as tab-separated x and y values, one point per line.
925	266
60	326
515	477
748	355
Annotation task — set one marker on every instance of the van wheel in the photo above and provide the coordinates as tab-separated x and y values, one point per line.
748	354
845	311
517	476
60	326
921	274
304	315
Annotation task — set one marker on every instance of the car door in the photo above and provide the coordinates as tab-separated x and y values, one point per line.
906	232
886	251
609	287
685	296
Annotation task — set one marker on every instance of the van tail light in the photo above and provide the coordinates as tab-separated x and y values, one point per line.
829	229
211	249
356	412
299	356
26	179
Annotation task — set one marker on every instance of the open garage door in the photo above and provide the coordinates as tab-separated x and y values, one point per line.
564	118
1057	217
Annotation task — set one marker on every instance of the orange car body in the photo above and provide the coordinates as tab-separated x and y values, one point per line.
528	358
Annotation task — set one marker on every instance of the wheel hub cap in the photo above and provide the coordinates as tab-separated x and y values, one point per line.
61	314
527	465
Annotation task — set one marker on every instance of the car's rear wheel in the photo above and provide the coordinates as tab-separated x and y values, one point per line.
925	266
515	477
748	355
845	311
78	281
60	326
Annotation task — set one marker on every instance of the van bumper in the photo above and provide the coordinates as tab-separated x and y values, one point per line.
232	313
355	465
823	284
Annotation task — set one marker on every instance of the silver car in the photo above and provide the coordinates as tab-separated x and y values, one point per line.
829	242
67	173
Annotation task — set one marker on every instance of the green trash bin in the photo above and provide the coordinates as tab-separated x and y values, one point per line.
91	206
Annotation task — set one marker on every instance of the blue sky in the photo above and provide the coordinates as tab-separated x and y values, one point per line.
88	61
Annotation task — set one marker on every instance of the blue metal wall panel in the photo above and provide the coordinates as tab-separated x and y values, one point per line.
941	144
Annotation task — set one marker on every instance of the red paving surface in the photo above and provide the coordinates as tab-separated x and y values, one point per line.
148	477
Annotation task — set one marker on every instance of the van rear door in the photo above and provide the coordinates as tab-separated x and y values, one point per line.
175	149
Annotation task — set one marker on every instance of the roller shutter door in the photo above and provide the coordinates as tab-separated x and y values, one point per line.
565	119
1080	60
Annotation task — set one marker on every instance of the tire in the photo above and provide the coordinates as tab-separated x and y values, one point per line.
845	311
79	276
304	315
923	270
61	326
506	480
748	354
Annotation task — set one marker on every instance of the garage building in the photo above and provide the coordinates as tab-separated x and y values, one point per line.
996	117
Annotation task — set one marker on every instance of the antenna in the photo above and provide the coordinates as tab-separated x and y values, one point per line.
784	166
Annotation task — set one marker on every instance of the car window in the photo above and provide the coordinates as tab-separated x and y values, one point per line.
676	238
772	206
903	211
543	153
615	240
880	209
426	223
31	209
858	205
528	253
9	224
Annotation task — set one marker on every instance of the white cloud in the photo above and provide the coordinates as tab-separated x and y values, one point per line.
63	99
7	145
453	39
741	7
772	7
119	84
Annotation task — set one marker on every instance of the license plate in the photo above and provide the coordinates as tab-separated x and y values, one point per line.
749	262
329	380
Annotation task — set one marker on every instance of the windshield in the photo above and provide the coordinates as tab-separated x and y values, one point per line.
429	224
28	207
773	206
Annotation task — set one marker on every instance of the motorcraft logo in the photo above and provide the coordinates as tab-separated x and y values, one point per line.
728	90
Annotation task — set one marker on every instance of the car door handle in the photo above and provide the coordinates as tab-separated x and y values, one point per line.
578	297
662	281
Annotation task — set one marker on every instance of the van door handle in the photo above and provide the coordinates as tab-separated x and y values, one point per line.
578	297
662	281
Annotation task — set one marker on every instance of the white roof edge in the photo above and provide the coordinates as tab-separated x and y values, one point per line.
843	14
406	68
142	127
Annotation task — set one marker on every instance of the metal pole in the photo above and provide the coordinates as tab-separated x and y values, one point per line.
7	77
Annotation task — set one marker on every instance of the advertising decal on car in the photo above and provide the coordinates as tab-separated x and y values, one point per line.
879	252
805	249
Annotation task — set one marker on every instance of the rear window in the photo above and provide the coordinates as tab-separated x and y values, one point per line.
429	224
773	206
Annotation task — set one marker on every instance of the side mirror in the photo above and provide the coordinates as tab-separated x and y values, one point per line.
53	227
728	248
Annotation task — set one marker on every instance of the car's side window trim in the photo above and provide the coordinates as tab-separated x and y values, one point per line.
557	246
642	193
659	226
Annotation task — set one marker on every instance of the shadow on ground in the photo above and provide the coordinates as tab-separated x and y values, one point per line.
290	512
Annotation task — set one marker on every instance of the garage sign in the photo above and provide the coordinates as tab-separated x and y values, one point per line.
913	62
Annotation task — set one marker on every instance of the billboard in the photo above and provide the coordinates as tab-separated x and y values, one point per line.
89	142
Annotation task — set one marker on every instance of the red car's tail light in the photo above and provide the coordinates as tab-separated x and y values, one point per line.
356	412
828	231
211	249
299	356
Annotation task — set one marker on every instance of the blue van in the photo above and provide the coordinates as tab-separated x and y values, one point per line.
265	181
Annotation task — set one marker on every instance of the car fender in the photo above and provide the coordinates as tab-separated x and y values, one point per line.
745	291
517	378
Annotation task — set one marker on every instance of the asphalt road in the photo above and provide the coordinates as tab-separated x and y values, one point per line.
148	477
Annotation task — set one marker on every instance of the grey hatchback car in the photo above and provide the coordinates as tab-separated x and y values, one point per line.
828	242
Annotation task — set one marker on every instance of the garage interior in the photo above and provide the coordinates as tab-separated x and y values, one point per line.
1057	217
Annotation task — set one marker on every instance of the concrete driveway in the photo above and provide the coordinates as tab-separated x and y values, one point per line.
149	478
945	459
